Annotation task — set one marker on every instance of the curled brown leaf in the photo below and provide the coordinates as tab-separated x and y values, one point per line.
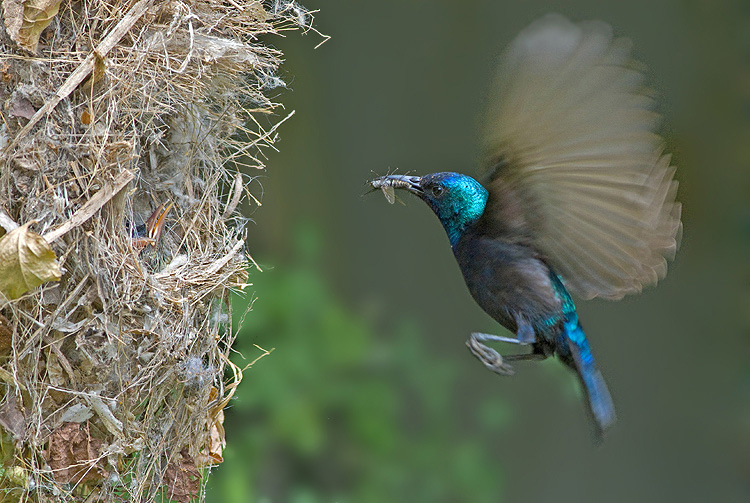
182	479
74	455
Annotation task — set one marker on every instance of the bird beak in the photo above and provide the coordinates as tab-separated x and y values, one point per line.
410	183
156	221
154	225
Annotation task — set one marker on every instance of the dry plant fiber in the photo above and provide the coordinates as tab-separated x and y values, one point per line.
114	359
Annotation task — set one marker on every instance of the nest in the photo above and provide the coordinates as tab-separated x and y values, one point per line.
113	380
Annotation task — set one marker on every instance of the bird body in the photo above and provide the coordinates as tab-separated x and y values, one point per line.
576	196
512	283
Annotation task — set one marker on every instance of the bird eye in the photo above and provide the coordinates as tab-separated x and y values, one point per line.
437	190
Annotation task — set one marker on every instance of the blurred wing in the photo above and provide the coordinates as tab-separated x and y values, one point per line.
573	162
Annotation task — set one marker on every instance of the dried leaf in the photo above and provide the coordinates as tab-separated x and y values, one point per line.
12	418
55	371
98	73
74	455
217	439
212	453
6	72
26	261
21	107
112	424
182	479
27	19
76	413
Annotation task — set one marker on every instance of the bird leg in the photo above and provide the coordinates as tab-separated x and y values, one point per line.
524	331
494	360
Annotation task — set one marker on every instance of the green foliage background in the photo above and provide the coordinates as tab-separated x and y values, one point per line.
329	427
369	394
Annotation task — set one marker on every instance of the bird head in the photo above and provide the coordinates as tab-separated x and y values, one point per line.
457	200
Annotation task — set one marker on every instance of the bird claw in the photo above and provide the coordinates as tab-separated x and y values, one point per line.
489	357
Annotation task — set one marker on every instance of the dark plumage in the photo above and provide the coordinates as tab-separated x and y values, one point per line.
577	195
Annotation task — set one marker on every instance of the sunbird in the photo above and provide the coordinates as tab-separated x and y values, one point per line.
576	196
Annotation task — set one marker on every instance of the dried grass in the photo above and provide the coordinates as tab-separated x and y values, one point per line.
114	379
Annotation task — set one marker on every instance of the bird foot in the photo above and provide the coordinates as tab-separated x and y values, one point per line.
494	360
488	356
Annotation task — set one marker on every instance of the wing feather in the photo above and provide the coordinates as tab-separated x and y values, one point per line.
571	151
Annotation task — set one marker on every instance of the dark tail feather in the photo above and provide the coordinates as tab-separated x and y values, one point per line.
582	361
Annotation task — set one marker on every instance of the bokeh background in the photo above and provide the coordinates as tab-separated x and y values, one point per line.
369	394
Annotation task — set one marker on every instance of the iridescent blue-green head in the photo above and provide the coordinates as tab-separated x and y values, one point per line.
457	200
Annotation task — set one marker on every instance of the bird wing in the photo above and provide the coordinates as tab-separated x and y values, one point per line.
573	161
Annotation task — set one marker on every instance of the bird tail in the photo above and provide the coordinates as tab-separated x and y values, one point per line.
581	360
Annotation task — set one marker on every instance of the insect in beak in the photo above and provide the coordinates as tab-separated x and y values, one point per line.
389	183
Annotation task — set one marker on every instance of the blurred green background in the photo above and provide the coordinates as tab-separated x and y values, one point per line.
370	394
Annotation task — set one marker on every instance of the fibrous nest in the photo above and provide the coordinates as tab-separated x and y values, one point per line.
113	379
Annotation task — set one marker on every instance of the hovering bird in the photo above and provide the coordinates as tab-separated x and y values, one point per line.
576	197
